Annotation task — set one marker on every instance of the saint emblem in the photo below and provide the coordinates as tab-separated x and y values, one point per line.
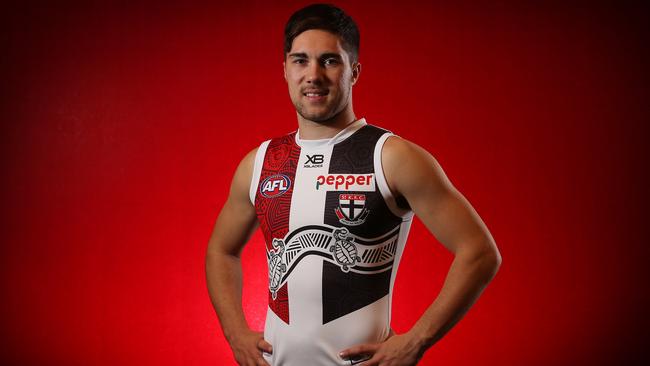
352	209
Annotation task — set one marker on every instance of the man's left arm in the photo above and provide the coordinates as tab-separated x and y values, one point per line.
412	173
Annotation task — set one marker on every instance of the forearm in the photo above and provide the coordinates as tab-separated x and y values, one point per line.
224	280
468	276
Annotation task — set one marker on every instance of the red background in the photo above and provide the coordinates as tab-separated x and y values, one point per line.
122	125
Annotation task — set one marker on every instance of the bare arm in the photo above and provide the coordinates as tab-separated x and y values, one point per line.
235	224
414	174
453	221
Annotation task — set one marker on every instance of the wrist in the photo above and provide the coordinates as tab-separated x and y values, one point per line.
232	334
421	338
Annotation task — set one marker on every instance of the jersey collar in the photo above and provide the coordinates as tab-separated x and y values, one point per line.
342	135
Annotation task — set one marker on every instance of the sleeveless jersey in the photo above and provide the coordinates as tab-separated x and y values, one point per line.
334	237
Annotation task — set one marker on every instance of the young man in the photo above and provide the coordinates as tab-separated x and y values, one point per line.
335	201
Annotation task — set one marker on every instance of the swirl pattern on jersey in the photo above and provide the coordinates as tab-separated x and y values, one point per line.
335	245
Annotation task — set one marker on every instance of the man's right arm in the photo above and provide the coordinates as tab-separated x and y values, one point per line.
235	224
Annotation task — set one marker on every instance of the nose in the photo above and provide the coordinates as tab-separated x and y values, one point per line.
314	73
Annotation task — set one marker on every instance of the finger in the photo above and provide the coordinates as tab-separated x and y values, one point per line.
264	346
374	361
359	350
261	362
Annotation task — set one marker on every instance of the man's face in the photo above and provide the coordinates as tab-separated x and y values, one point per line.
320	77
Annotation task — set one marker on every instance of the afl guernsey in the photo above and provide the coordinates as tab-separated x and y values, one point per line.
334	237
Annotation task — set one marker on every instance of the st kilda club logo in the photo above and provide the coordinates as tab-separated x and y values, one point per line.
352	209
275	186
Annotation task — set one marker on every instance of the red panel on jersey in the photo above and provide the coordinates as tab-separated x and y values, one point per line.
273	203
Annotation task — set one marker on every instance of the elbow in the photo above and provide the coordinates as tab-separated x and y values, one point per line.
486	260
497	260
492	262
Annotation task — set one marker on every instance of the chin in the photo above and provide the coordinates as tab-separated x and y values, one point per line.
320	117
323	119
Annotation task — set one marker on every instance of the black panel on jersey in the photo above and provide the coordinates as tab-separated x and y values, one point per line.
344	293
355	155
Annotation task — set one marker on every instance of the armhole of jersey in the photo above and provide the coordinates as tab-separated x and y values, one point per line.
383	185
257	170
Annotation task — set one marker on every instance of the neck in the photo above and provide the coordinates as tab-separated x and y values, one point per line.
310	130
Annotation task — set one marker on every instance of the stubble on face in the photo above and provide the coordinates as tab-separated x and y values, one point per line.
321	118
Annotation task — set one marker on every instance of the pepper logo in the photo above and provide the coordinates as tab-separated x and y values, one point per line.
275	186
346	182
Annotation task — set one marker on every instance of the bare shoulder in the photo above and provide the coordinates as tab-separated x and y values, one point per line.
396	148
409	168
241	180
248	161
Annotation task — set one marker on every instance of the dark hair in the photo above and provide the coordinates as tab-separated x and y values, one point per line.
326	17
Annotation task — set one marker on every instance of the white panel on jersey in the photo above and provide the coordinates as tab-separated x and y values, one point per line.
383	185
257	169
304	289
401	243
406	215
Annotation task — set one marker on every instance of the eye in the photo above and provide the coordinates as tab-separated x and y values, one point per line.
299	61
331	61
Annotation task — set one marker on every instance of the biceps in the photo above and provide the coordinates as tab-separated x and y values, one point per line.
448	216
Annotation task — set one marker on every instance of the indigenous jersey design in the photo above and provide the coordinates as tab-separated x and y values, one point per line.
334	237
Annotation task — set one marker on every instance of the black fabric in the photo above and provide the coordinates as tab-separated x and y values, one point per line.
344	293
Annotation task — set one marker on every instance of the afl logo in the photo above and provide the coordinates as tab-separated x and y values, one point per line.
275	186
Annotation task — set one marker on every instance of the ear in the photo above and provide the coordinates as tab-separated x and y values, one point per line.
356	71
284	68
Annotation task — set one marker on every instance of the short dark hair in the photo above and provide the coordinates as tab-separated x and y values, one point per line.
326	17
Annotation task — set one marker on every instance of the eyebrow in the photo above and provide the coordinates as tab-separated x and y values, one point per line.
330	55
323	56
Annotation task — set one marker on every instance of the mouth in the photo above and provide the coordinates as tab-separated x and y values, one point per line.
316	95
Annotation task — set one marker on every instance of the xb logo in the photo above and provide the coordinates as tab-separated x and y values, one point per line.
314	161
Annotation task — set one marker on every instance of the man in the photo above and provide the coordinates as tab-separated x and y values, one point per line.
335	201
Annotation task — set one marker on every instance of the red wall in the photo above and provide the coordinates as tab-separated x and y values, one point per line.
122	125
